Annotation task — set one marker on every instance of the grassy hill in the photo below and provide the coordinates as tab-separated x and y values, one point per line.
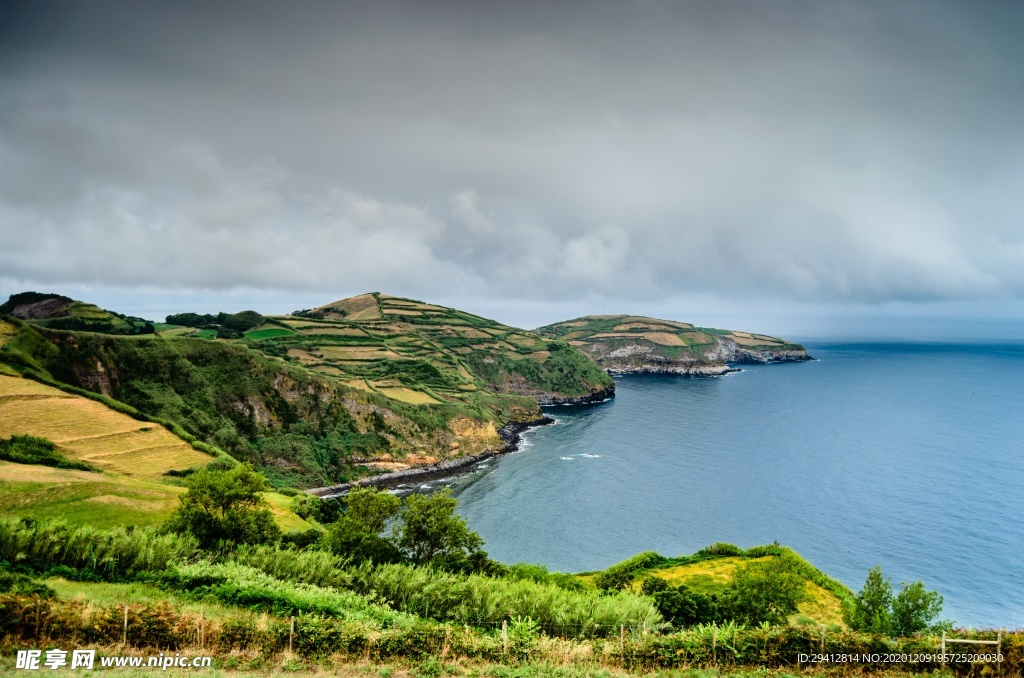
628	344
711	570
59	312
88	431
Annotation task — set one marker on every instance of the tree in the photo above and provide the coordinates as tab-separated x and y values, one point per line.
764	592
357	533
225	506
872	608
914	609
429	531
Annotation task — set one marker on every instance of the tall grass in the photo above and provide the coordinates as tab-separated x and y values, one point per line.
248	587
480	600
108	554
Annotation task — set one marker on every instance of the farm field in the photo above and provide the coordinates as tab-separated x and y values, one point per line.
102	499
377	339
89	431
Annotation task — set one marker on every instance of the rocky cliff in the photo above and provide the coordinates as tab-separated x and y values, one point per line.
638	345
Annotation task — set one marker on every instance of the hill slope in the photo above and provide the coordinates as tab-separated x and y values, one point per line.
391	345
331	395
88	431
636	344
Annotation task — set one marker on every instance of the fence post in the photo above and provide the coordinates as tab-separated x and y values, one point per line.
37	618
202	629
943	649
504	635
291	634
125	631
999	650
823	639
622	644
714	644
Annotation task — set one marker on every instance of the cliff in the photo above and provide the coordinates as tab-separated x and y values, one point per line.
624	344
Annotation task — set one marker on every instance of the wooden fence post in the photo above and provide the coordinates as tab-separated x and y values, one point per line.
622	644
999	650
714	644
202	629
504	635
125	631
37	618
823	639
291	634
943	649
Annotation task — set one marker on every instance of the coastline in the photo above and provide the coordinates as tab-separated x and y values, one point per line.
511	435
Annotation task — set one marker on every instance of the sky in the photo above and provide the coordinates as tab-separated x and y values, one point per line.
809	169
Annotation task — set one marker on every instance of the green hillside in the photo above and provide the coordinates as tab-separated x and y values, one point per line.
363	385
626	343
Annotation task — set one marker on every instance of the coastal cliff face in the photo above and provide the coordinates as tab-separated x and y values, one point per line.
639	345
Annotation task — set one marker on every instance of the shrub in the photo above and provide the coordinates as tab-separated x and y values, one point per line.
224	506
764	592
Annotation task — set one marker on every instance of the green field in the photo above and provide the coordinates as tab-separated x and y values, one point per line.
268	333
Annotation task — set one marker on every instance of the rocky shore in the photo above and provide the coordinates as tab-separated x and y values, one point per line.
511	437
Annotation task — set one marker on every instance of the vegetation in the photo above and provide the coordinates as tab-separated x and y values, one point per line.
876	610
91	432
33	450
315	400
623	343
225	506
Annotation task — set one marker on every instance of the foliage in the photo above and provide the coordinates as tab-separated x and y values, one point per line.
620	575
876	610
111	554
224	506
679	605
429	531
35	450
914	608
478	599
872	608
764	592
243	321
237	584
18	584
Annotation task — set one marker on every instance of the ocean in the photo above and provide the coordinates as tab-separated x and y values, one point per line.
905	455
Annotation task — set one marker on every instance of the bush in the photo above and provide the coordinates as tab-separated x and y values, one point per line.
764	592
620	575
225	506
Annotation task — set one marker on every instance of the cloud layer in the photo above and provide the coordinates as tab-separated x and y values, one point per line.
821	153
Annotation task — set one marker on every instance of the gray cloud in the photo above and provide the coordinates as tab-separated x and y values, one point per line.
821	153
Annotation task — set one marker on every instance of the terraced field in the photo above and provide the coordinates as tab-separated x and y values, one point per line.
425	354
89	431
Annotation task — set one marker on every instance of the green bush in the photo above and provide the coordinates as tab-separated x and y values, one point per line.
224	506
762	592
34	450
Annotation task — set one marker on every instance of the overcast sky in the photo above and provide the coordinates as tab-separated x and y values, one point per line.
809	168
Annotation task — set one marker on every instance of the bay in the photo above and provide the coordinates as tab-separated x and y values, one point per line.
906	455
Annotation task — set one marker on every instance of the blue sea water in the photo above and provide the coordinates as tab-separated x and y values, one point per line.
910	456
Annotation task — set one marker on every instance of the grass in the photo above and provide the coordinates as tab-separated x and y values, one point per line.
267	333
101	499
712	576
134	593
407	395
83	498
88	431
205	334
